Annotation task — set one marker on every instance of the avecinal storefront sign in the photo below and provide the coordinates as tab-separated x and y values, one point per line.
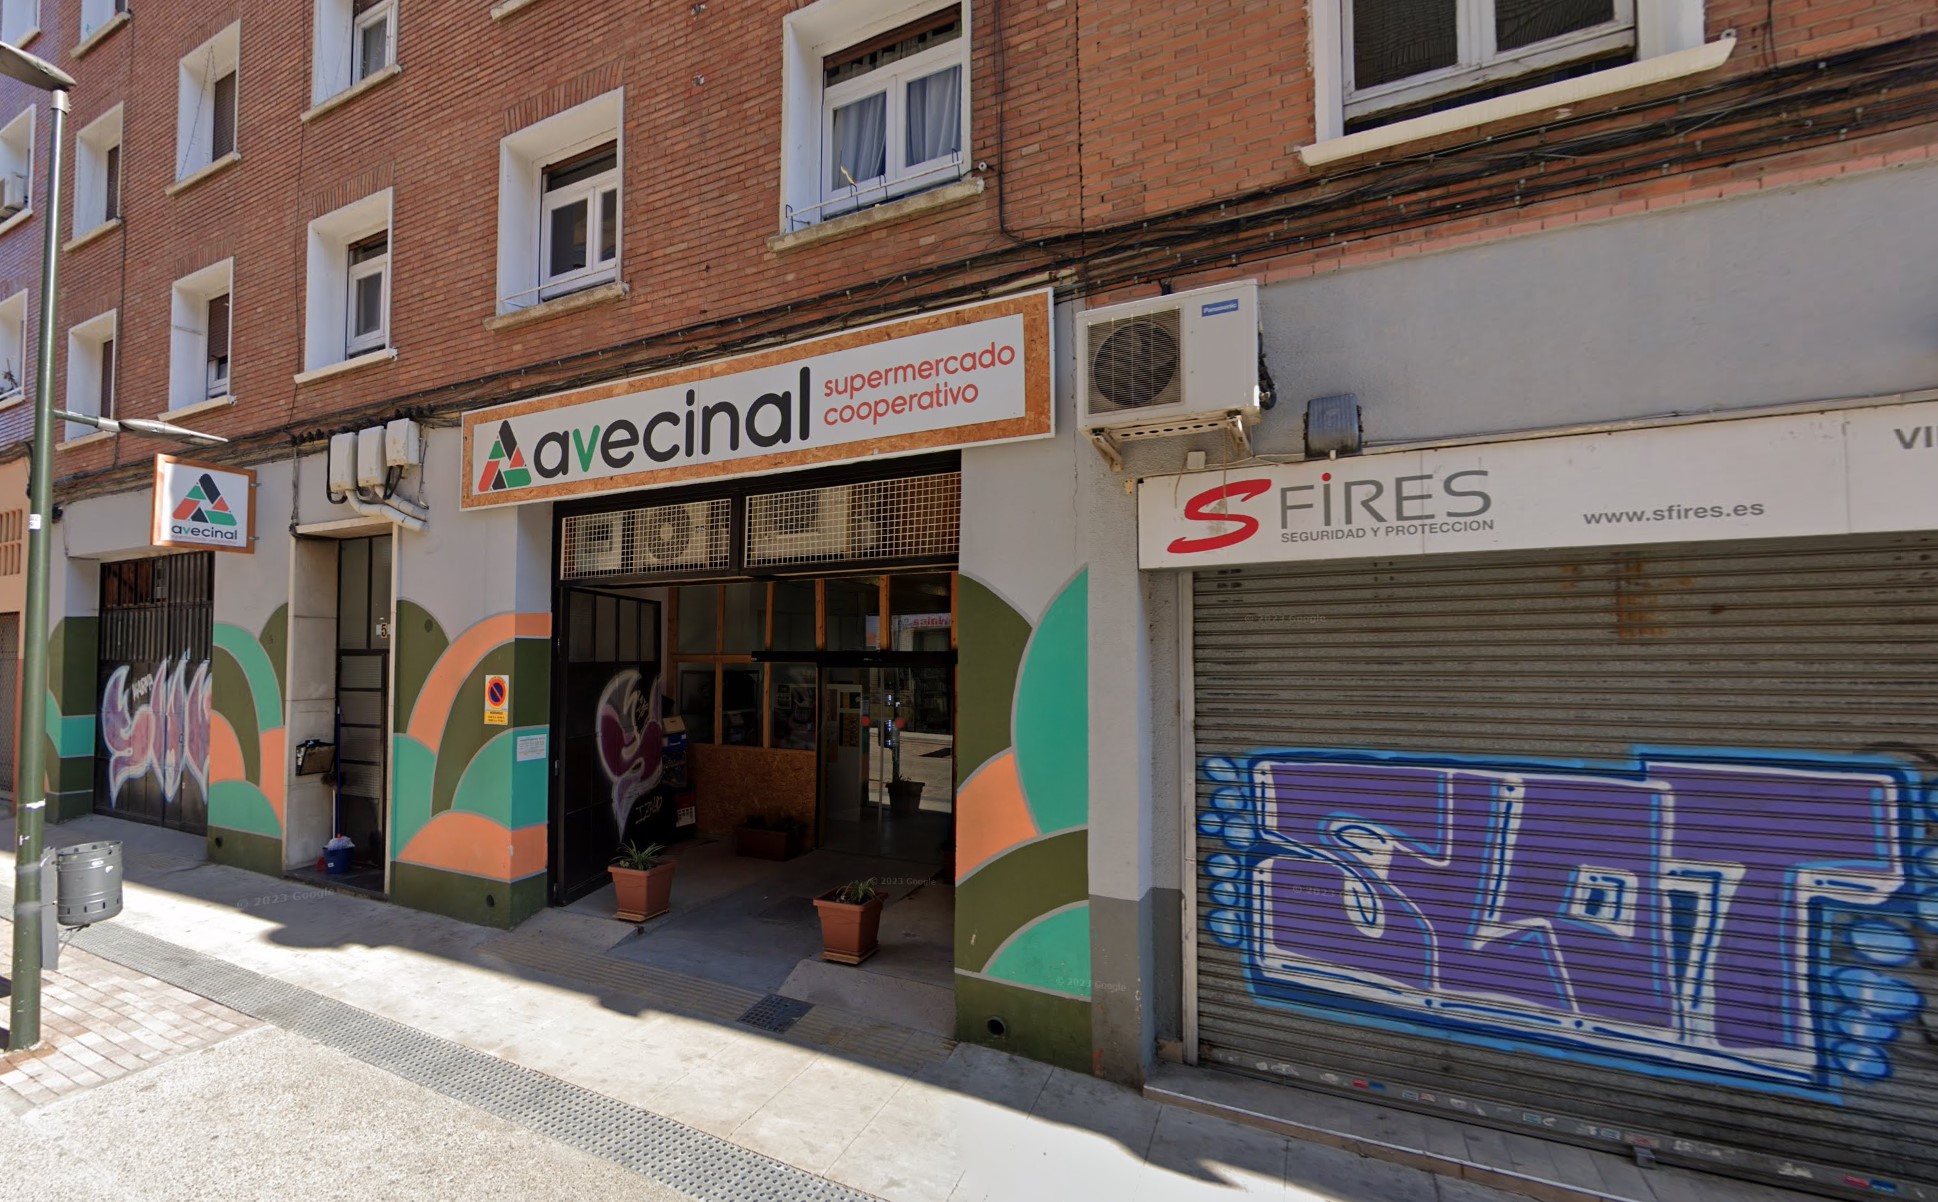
1869	469
975	374
203	506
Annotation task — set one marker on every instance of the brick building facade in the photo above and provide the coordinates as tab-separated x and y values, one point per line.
1662	219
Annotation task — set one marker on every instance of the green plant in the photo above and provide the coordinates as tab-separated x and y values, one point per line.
858	893
632	855
775	822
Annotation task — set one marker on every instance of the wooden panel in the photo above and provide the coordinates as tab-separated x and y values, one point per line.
732	783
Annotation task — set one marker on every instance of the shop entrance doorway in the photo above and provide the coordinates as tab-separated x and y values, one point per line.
888	760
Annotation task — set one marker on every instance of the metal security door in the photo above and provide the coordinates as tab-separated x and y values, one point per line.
153	684
1629	846
363	701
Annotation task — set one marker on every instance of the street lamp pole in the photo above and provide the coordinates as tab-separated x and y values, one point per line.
30	816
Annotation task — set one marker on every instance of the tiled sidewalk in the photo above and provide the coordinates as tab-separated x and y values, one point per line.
100	1021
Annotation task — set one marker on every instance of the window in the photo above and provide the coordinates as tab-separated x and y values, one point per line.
200	338
13	348
97	172
97	13
559	205
369	295
90	371
875	107
579	225
17	165
348	296
355	39
205	128
19	20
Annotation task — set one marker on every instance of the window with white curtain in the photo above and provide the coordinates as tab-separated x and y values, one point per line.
892	109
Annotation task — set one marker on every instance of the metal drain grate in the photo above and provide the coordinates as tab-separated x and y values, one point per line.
775	1013
702	1166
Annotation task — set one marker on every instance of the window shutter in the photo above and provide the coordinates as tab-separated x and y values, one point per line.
361	7
107	378
219	327
225	115
112	184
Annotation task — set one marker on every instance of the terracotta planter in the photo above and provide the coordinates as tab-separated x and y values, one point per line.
758	844
848	932
904	797
642	893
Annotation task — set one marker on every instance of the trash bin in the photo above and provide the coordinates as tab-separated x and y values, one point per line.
88	883
336	855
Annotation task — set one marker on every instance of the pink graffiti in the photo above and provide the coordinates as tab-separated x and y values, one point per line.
159	726
630	740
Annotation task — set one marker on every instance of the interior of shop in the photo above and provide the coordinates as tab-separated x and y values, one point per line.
818	706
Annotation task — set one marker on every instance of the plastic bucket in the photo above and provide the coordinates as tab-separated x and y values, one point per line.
87	883
337	859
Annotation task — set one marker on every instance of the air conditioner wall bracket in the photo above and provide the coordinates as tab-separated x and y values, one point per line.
1236	424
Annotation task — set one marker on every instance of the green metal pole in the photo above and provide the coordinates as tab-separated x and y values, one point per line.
30	816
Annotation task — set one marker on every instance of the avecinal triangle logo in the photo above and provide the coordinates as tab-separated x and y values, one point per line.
203	503
505	467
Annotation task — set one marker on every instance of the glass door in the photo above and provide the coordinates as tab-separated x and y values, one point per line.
887	756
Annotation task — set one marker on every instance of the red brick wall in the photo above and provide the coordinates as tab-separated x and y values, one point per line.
1181	106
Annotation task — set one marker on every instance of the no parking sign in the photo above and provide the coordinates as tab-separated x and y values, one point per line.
497	700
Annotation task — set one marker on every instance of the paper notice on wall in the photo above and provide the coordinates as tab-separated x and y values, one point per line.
531	747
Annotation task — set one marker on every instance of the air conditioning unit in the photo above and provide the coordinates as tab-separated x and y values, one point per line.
803	527
1175	364
595	544
670	537
13	194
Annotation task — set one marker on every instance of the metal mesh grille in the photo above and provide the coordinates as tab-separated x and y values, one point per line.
915	517
657	540
1135	363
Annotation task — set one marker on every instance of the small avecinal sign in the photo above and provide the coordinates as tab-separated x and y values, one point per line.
203	506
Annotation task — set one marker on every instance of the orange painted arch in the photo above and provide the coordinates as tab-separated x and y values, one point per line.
225	750
440	692
458	841
992	815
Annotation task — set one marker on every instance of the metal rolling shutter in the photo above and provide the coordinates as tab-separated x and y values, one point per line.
1636	845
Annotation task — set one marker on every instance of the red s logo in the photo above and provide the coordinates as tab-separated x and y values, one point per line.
1198	509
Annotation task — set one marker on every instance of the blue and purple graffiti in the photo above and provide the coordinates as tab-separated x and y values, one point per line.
1730	919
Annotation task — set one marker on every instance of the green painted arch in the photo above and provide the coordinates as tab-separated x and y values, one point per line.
231	699
419	641
412	767
237	805
259	674
501	787
274	638
1052	713
465	732
990	637
1017	888
1052	953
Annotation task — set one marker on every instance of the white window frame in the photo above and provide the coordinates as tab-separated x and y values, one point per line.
329	292
188	361
13	347
590	191
336	52
522	160
825	28
86	340
199	70
355	273
892	81
19	21
17	146
95	14
1656	28
91	197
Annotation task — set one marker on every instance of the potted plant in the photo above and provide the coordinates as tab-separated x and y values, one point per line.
904	796
851	919
642	882
769	837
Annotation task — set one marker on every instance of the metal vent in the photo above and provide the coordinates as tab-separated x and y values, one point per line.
920	516
657	540
1136	363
